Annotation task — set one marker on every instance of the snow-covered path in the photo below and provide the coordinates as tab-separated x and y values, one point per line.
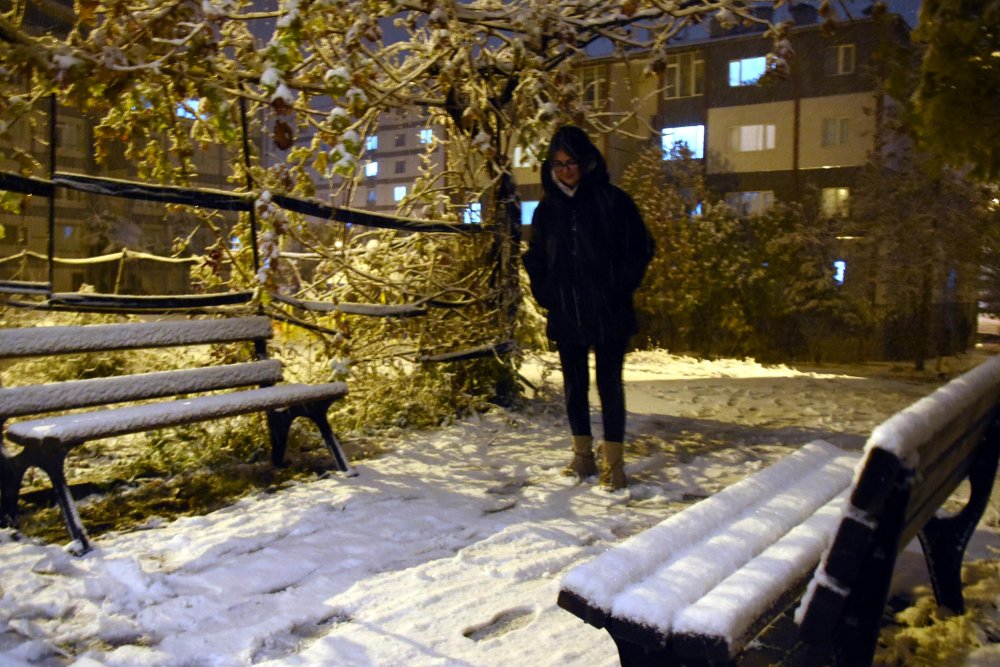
446	550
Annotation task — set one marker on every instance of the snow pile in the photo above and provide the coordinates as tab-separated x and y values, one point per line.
447	550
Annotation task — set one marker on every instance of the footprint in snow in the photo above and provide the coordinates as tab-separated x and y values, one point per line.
501	624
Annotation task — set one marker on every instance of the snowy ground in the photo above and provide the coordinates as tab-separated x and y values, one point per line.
448	549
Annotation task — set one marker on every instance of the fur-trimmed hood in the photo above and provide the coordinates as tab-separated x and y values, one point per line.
576	144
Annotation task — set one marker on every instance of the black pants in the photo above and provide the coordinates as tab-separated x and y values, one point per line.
576	382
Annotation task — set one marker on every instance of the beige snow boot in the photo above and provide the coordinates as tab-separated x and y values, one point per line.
583	464
613	466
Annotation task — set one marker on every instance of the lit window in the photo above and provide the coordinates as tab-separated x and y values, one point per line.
371	169
398	192
839	60
188	109
839	271
747	71
684	75
528	211
836	131
400	166
693	136
372	196
426	136
744	138
835	201
400	140
750	202
371	143
473	215
593	85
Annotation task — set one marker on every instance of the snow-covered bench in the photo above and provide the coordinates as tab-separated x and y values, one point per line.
45	441
699	587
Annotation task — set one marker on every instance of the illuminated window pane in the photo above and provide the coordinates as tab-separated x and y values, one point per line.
473	215
528	211
691	135
371	169
835	201
747	71
840	271
750	202
836	131
398	192
744	138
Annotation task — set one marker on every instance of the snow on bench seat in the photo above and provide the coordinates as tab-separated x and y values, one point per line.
908	430
729	615
36	399
931	444
602	579
36	341
692	572
122	402
132	419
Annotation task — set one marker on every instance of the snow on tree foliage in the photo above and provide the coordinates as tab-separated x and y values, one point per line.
316	75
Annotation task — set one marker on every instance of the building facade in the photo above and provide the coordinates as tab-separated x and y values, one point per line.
762	138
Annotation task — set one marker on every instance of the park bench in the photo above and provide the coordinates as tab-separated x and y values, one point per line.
710	584
190	395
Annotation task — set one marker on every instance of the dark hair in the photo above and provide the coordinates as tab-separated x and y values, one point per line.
574	142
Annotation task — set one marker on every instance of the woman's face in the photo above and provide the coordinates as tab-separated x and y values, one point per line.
567	169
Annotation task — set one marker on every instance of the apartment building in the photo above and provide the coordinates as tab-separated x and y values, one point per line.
86	225
393	157
762	140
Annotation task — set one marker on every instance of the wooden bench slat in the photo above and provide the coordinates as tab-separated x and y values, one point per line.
39	399
965	399
642	554
36	341
735	610
132	419
939	475
658	599
180	398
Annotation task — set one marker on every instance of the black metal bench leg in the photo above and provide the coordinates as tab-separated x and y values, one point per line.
316	412
11	477
279	422
53	467
944	540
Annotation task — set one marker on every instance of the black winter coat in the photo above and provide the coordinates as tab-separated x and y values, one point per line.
586	257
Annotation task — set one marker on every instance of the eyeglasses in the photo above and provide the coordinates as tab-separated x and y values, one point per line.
568	164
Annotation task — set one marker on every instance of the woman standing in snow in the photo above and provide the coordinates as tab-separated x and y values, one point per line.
588	252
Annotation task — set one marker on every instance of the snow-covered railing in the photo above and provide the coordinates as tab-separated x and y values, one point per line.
222	200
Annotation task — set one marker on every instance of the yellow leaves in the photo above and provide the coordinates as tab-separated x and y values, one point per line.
86	10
